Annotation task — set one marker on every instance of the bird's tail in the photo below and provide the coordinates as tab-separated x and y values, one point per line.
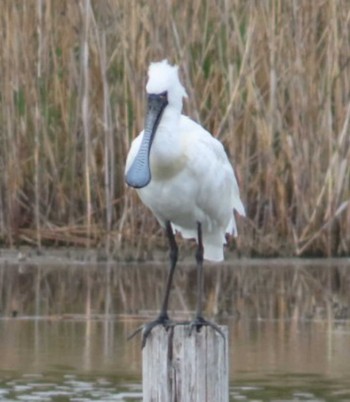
239	207
213	243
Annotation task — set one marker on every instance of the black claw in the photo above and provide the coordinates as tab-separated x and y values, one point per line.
139	329
147	328
199	322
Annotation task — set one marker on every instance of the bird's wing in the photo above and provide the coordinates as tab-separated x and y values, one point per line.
218	191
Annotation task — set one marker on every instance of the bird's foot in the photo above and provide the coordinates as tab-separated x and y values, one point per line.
200	322
146	329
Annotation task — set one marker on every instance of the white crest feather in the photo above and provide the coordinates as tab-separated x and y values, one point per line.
163	77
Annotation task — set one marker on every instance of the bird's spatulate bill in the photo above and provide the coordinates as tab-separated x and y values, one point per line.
139	174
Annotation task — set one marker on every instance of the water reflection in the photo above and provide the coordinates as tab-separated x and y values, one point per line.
44	359
66	388
100	347
252	289
289	339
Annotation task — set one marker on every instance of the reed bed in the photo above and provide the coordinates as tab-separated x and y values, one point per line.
271	79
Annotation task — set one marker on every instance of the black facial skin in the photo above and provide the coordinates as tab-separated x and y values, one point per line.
139	173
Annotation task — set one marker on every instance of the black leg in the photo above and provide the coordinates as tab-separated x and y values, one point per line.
163	318
199	259
199	321
173	260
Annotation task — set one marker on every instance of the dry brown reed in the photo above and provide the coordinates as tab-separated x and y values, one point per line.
271	79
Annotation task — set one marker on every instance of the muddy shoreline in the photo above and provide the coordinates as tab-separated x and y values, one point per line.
74	255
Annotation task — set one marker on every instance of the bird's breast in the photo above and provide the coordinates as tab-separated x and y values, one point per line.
171	196
164	169
168	156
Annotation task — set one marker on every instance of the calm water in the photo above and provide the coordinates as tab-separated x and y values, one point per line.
84	356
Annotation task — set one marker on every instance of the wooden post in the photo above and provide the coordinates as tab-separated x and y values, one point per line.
177	367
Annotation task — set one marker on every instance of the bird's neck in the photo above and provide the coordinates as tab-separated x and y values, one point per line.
170	119
166	152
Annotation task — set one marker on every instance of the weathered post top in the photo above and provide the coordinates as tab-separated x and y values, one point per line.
185	368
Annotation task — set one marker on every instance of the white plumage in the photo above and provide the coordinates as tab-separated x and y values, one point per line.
191	179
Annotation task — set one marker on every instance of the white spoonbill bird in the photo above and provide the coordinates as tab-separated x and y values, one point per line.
182	174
